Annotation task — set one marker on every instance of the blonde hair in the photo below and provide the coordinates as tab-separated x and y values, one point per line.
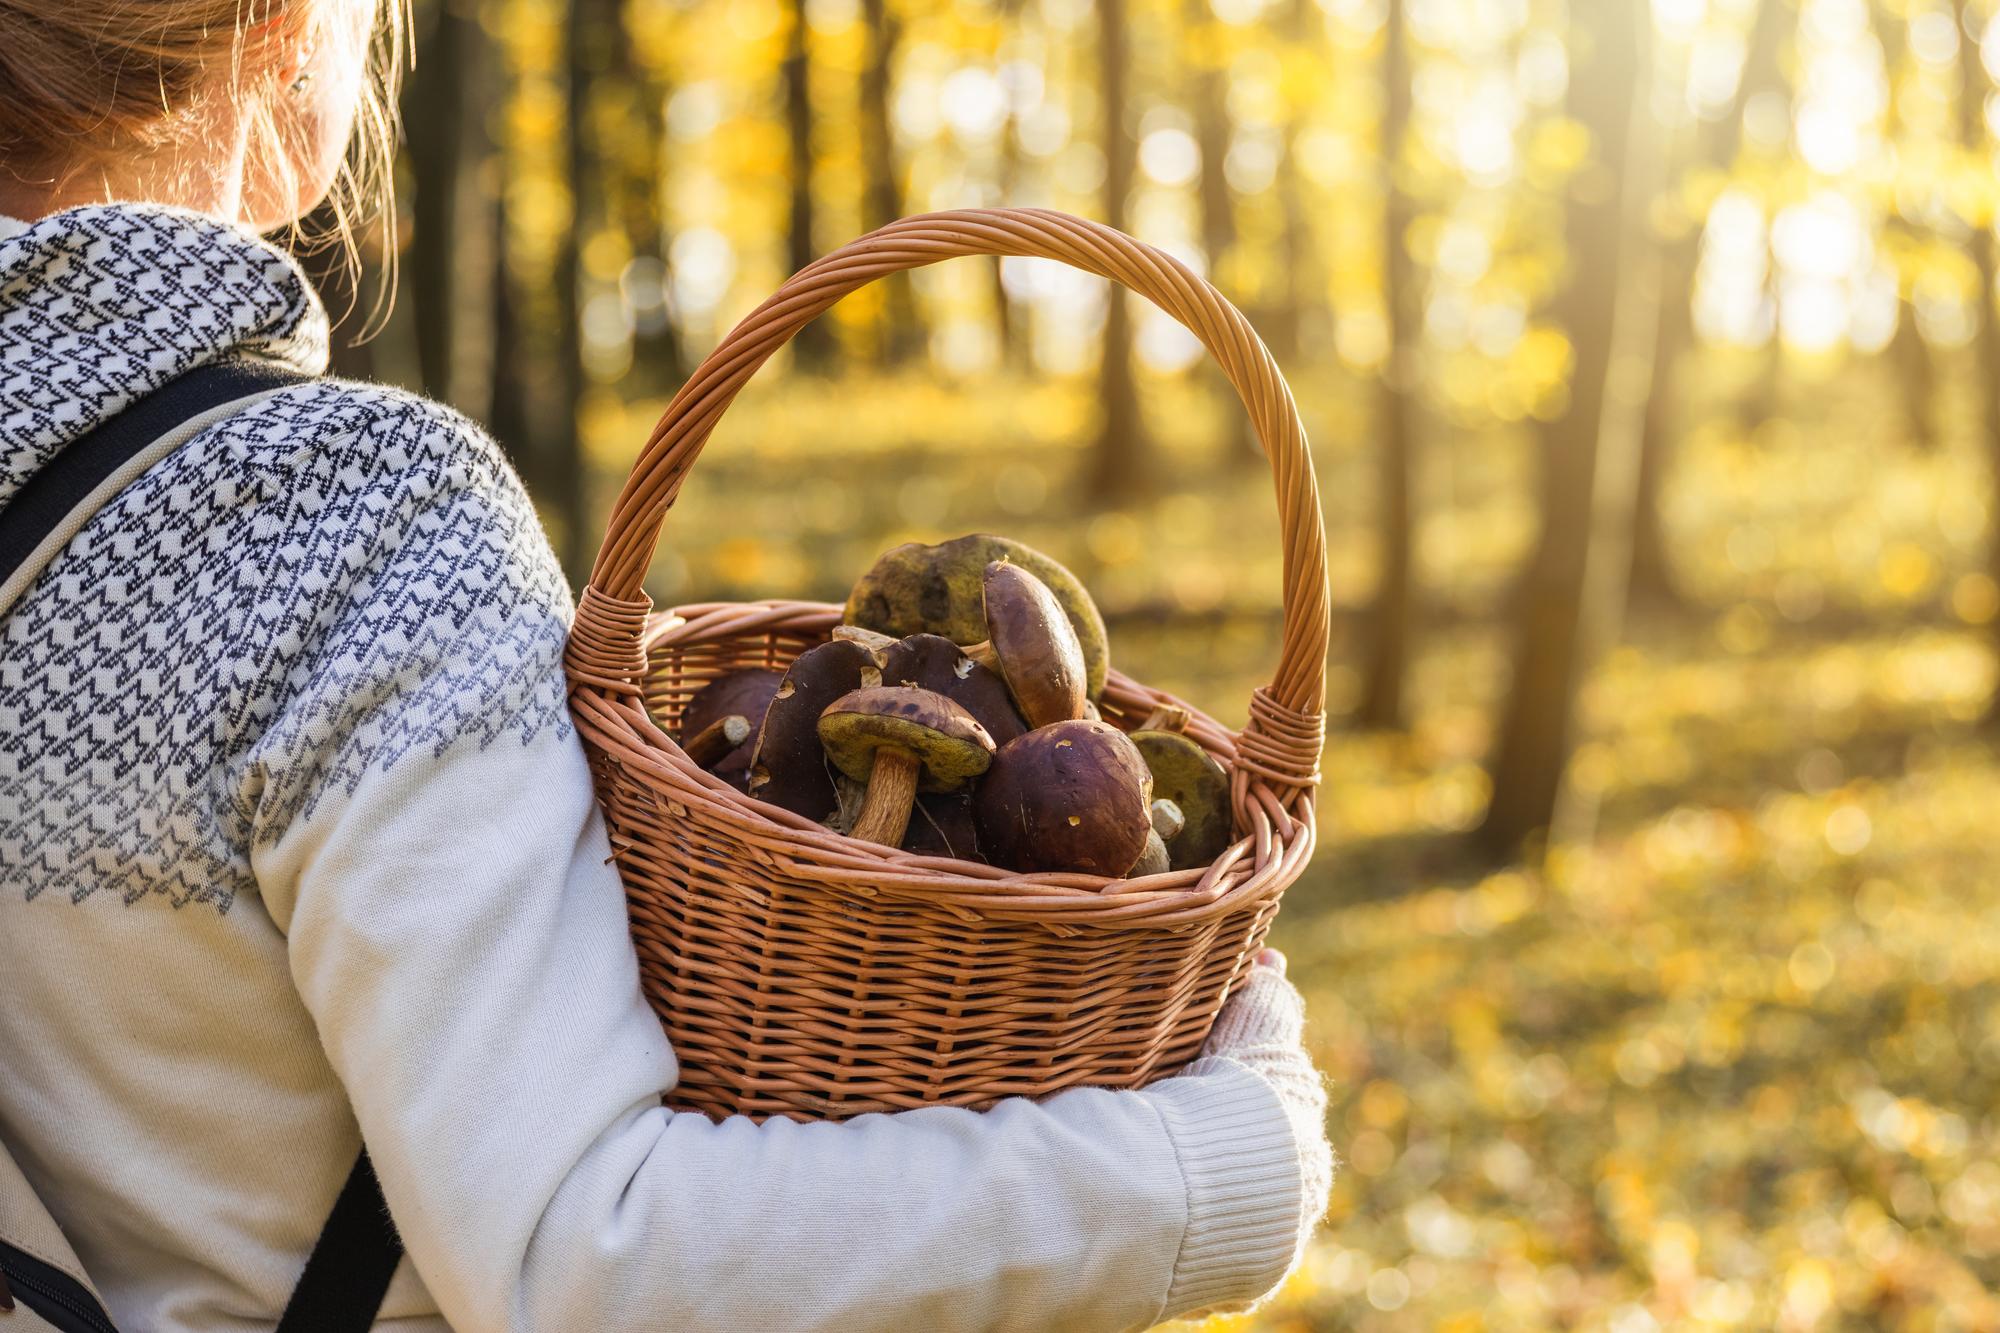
85	81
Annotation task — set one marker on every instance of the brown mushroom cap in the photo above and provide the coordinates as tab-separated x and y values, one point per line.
942	825
789	768
918	589
933	662
1189	776
1067	797
1034	645
747	693
950	746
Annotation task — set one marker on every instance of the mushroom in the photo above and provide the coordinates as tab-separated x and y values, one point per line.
1072	796
717	739
1167	822
939	589
789	769
1031	643
745	693
897	738
940	822
942	825
933	662
1188	775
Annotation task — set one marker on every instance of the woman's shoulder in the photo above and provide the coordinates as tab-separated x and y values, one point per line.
370	433
391	490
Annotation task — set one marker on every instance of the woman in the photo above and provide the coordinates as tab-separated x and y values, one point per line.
297	846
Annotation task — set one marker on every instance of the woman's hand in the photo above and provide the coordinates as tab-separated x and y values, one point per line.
1261	1028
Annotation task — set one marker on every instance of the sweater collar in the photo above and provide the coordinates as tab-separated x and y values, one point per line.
101	305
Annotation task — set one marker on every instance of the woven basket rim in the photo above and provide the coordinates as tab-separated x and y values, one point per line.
626	729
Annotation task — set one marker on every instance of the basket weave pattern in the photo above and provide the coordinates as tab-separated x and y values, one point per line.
805	974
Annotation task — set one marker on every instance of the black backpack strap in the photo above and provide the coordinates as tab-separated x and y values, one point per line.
348	1272
74	483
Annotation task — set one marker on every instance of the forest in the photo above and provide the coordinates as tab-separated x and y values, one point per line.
1649	357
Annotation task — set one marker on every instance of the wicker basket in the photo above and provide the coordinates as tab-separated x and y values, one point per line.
804	974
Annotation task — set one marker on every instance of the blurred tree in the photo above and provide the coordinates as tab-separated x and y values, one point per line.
812	348
592	30
1714	150
1123	454
339	278
1011	318
450	259
1974	86
507	413
899	333
1572	590
1208	97
1298	292
1909	354
1391	614
637	175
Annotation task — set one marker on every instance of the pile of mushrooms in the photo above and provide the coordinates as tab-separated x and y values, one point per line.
954	714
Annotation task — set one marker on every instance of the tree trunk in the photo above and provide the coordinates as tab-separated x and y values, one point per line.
451	261
812	348
1909	356
1572	594
1911	364
507	414
1985	336
1123	455
1720	140
1392	614
1010	323
899	332
1286	329
1653	585
590	32
1209	96
642	161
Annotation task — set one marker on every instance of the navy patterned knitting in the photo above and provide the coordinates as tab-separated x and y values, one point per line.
340	575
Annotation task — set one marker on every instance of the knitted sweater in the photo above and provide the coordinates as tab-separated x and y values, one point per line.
297	847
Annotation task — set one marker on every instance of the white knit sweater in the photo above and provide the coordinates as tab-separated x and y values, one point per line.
297	846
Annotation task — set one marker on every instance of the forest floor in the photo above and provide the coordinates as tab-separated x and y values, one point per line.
1733	1061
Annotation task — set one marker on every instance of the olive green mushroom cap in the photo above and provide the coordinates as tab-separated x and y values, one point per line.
919	589
950	745
1186	774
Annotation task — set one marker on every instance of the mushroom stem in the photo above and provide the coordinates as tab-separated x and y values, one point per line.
1168	821
892	790
982	653
1165	717
717	739
1152	861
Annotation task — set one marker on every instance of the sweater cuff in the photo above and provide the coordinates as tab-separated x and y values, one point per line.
1242	1171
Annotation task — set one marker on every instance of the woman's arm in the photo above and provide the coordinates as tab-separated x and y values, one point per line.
436	860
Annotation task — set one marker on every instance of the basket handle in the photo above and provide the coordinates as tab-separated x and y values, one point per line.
1287	718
